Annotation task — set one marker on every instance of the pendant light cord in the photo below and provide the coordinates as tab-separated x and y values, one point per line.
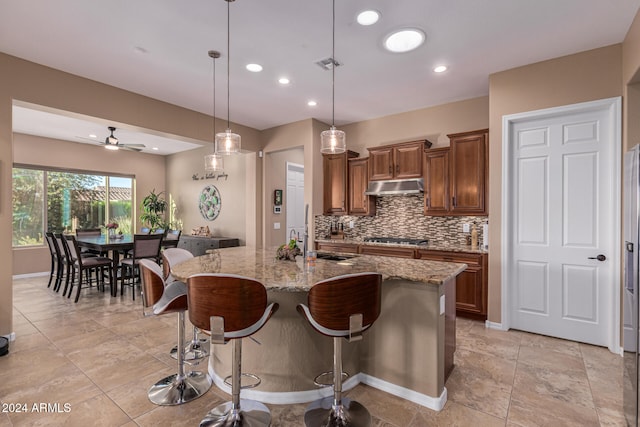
333	67
214	104
228	57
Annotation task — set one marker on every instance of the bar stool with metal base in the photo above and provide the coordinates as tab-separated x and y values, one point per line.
231	307
177	388
341	307
196	350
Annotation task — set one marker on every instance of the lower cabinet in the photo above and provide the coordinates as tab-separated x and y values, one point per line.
198	245
471	284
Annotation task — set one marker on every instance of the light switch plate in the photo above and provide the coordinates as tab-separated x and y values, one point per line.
441	304
466	228
276	226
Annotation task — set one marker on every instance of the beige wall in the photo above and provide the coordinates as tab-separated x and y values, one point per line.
185	192
586	76
432	123
24	81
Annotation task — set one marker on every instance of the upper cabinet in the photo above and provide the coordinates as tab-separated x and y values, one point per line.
456	178
436	181
358	175
335	179
397	161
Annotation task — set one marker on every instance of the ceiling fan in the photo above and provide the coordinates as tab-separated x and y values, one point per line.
112	143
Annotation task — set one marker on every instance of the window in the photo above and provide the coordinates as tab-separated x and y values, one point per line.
73	200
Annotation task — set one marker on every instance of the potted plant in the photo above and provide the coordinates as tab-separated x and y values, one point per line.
153	208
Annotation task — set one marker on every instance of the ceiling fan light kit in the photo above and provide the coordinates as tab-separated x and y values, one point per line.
112	143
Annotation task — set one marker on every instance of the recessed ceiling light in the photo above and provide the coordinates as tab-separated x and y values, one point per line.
255	68
111	147
404	40
368	17
155	148
283	81
312	103
440	69
93	136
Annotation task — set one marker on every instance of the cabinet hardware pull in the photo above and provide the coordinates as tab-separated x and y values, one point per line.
453	201
397	168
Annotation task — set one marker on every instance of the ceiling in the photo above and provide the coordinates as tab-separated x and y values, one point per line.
158	48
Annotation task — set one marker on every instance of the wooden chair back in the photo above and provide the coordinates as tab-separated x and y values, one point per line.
152	282
331	302
241	301
147	246
171	257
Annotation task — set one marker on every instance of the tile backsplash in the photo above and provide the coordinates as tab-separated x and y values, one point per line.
402	216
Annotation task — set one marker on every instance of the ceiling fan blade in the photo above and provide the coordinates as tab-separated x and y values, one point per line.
129	148
132	145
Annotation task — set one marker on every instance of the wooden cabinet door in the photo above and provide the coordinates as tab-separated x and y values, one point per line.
359	203
381	164
350	248
335	184
469	172
407	161
436	181
335	175
469	291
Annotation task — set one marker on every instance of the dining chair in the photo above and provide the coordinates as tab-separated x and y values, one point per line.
55	259
66	263
84	265
145	230
144	246
89	232
171	239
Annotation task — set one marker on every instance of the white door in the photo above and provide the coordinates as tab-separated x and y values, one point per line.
295	200
563	221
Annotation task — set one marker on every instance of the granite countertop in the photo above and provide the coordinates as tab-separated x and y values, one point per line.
448	247
296	276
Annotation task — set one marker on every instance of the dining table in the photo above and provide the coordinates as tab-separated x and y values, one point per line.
114	245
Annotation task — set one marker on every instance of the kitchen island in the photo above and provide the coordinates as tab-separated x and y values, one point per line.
408	351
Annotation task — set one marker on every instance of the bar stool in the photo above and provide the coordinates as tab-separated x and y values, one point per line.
195	351
341	307
231	307
177	388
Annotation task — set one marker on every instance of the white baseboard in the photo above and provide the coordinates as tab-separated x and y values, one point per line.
494	325
30	275
435	403
284	398
11	336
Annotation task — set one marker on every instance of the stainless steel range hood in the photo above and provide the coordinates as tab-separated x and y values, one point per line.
395	187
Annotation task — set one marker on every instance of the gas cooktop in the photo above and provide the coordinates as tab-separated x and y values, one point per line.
397	240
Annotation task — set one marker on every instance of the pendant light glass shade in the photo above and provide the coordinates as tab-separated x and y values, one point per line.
333	141
227	143
214	162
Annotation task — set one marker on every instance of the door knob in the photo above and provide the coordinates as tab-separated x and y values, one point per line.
599	257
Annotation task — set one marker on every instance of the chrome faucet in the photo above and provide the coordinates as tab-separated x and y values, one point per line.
305	237
292	235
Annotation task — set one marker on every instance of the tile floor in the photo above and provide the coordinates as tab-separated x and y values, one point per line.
100	356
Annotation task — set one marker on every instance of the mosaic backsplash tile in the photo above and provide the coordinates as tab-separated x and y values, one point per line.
402	216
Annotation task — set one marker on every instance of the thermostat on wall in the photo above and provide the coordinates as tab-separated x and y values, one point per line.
277	209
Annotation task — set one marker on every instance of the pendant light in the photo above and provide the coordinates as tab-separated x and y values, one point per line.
333	141
228	142
214	162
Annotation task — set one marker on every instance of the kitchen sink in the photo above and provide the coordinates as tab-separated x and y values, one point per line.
334	257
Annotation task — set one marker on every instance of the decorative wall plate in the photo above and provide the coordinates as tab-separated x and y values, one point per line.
210	202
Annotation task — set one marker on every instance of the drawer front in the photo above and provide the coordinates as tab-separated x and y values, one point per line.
393	252
461	257
337	247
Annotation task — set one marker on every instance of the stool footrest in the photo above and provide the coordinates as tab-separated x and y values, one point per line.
246	375
320	381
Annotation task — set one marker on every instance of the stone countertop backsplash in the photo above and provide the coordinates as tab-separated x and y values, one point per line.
403	216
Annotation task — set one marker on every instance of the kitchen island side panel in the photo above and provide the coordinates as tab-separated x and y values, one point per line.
406	345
